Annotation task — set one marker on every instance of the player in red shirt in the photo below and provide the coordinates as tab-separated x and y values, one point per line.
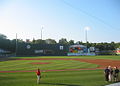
38	73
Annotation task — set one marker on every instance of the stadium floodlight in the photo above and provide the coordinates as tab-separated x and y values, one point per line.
86	29
42	26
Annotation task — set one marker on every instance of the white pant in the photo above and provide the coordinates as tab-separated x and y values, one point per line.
110	77
38	79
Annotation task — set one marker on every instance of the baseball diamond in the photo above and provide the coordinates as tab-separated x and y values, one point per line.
58	69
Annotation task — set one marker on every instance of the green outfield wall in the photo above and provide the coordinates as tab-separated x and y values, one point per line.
27	49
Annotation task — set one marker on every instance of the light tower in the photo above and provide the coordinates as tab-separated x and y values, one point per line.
41	30
16	46
86	29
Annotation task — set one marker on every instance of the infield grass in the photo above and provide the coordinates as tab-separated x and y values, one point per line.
16	65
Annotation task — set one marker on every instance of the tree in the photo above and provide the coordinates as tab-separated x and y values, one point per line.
71	42
50	41
33	41
3	36
88	44
63	41
4	42
118	45
39	41
80	43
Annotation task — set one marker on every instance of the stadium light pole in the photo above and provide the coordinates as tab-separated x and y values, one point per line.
16	46
86	30
86	35
41	31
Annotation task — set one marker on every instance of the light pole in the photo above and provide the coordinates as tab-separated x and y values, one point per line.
41	31
16	46
86	29
86	35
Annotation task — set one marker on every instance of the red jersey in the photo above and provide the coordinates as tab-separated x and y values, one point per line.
38	72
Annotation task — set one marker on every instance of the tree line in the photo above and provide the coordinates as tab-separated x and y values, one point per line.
10	45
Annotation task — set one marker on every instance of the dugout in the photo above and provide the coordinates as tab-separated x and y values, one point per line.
27	49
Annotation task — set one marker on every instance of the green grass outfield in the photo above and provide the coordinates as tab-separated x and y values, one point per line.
53	78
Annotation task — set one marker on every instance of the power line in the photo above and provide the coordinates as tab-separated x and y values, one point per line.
88	14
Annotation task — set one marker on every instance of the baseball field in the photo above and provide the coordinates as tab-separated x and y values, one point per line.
56	70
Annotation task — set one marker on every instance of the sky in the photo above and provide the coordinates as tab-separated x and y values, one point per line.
61	19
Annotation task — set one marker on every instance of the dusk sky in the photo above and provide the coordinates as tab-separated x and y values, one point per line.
61	19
